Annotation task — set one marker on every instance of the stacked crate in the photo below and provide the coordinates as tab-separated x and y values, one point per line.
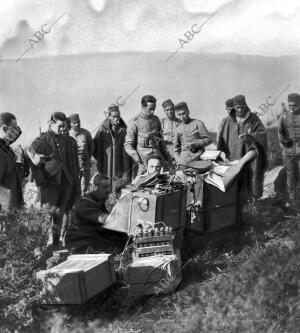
156	266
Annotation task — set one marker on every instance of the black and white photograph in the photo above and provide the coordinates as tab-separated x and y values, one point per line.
150	166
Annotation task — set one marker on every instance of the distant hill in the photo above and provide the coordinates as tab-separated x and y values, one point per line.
88	84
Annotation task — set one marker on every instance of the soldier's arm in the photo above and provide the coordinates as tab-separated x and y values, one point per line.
2	168
85	211
205	139
131	142
90	143
176	145
162	145
282	131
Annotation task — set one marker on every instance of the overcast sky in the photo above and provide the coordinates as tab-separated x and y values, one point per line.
262	27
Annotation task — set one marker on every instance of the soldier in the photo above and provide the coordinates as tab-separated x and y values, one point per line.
112	159
229	109
153	165
85	150
241	132
144	136
9	176
169	124
57	191
289	138
190	137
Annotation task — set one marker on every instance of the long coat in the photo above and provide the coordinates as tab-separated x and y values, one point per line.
9	176
58	178
112	159
235	148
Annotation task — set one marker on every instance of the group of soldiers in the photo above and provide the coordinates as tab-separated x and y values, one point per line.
59	161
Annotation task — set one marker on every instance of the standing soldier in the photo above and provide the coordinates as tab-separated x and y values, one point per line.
112	159
169	124
289	138
144	136
84	148
9	176
241	132
57	191
190	137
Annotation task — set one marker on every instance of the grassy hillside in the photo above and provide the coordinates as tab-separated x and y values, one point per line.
237	280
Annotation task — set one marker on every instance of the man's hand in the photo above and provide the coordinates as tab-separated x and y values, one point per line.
246	138
191	146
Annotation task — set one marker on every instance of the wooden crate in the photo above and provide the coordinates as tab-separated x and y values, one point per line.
154	275
78	279
137	207
218	209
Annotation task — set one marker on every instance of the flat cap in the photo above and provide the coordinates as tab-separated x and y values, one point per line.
181	106
239	100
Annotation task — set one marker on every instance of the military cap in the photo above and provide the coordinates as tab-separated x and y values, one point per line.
74	117
40	146
294	98
239	100
229	103
113	108
167	103
181	106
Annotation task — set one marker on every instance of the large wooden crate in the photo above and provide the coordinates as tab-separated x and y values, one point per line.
217	210
77	279
154	275
143	207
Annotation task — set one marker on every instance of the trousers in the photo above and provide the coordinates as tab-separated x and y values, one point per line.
292	166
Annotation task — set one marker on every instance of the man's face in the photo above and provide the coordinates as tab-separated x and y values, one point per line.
75	125
170	111
153	166
58	126
183	115
149	109
10	133
65	130
115	118
103	190
294	106
229	109
240	110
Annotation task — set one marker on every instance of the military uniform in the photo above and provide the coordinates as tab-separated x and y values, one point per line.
144	138
168	128
289	138
9	175
60	178
194	131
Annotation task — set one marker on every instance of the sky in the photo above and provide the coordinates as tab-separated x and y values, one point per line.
254	27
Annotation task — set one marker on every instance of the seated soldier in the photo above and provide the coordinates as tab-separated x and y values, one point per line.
154	164
86	233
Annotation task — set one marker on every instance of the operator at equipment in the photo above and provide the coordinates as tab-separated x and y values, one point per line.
86	233
154	164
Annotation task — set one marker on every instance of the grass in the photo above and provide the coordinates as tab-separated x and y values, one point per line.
243	280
